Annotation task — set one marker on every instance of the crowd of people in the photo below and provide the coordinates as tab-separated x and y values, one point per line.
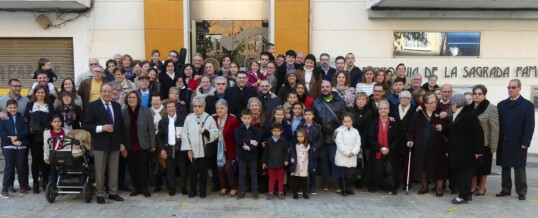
277	124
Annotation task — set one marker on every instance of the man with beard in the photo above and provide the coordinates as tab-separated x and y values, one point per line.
240	94
269	100
328	111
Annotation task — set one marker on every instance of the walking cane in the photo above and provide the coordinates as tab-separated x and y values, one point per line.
408	172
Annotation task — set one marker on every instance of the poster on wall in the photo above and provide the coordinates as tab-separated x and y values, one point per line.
436	44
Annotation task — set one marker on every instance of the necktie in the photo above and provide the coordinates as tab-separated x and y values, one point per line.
109	111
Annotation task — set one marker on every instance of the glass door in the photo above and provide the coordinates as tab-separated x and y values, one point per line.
243	40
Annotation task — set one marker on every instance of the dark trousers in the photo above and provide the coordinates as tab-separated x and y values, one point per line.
464	177
212	165
180	160
121	171
312	179
299	181
520	177
346	172
452	180
227	176
15	159
138	168
198	171
53	174
251	164
327	153
38	164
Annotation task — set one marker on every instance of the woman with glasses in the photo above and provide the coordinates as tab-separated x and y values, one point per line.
427	142
489	120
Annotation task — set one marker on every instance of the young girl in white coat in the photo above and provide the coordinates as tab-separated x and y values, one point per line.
348	144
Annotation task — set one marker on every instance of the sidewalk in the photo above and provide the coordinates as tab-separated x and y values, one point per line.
325	204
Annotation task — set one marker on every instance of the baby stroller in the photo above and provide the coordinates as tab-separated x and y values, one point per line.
71	158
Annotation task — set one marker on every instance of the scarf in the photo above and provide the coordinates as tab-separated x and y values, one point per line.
382	137
133	116
157	114
221	158
481	108
69	115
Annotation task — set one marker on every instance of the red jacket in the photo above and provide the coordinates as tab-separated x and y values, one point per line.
193	84
229	135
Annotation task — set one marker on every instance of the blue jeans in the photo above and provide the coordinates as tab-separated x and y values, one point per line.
15	159
251	164
327	153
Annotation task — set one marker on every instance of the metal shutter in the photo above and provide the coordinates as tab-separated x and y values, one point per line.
19	56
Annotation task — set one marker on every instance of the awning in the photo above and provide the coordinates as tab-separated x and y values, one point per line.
45	5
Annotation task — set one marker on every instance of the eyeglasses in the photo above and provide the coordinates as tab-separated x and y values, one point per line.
477	93
264	86
197	105
512	87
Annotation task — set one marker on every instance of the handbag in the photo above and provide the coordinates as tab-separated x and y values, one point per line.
388	174
210	149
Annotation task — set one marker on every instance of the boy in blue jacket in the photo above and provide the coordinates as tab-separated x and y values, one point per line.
14	134
247	138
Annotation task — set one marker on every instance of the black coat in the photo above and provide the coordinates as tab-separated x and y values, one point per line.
166	83
239	98
362	122
327	119
516	127
356	76
96	115
244	135
212	99
38	120
403	125
465	139
330	74
375	171
275	153
162	135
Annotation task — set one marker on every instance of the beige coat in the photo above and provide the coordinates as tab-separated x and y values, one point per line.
489	120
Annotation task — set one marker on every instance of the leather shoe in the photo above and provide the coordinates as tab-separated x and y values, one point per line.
202	195
146	193
502	194
115	197
521	197
134	193
459	201
100	200
157	189
192	194
184	191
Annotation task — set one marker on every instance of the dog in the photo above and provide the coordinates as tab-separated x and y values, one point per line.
83	136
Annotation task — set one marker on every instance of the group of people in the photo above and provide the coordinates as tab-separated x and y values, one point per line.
274	125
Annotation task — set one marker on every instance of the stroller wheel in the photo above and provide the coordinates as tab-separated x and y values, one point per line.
51	192
87	192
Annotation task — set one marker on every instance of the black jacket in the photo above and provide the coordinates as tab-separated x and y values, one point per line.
166	82
78	113
465	139
329	76
403	125
239	97
275	153
212	99
38	120
327	119
96	115
162	135
244	135
356	76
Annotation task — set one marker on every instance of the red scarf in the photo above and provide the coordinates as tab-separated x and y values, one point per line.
57	140
382	137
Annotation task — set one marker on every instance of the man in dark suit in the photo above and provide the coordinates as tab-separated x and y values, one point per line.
240	94
104	121
326	71
516	119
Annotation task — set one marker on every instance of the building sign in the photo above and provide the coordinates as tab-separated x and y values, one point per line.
471	71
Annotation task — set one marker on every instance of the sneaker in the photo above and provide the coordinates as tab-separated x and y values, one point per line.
299	193
5	195
313	191
12	189
281	196
23	191
325	188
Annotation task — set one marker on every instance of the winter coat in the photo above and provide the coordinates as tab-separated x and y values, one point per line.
348	141
191	137
275	153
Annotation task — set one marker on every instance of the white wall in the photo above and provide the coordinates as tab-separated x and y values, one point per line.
112	26
342	26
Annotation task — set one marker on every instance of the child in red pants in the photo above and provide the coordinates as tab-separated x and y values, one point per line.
275	158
